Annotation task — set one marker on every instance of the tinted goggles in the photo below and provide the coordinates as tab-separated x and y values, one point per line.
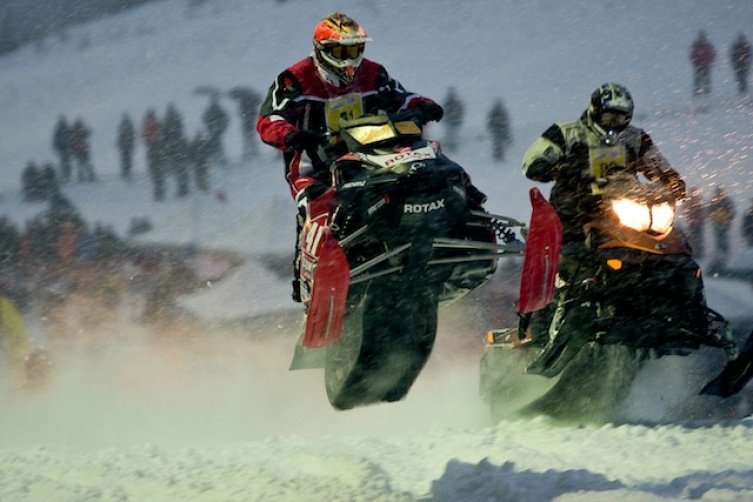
614	120
343	52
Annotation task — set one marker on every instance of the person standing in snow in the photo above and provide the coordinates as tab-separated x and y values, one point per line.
126	145
498	125
199	156
216	122
721	215
61	143
694	213
151	135
308	98
702	58
81	151
30	182
175	150
740	57
454	111
248	106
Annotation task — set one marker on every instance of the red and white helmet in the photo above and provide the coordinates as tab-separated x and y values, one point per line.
339	43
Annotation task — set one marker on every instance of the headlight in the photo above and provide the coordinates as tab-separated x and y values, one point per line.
632	214
642	217
662	217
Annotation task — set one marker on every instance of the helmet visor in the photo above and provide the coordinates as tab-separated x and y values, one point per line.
340	52
614	120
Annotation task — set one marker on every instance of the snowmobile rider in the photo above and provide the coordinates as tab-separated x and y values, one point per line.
565	153
309	98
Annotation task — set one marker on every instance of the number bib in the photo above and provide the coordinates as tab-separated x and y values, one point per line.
603	161
348	106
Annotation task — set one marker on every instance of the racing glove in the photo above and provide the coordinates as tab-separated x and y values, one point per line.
301	140
476	197
431	111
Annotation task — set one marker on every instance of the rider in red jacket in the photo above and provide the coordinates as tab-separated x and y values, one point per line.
309	98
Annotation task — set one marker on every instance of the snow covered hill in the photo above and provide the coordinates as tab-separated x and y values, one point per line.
215	415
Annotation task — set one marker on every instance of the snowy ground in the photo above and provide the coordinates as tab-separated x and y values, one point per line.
207	410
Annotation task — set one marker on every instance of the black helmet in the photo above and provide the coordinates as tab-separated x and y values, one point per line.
611	109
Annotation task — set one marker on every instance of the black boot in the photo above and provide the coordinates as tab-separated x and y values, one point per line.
300	219
296	290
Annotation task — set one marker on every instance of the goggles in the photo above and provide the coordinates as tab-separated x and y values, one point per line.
614	120
344	52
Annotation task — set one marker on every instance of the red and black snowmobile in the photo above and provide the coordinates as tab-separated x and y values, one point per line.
642	298
398	235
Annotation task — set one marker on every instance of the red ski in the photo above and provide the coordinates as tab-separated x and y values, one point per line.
543	246
323	257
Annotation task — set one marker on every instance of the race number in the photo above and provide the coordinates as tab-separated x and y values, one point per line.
313	238
348	106
603	161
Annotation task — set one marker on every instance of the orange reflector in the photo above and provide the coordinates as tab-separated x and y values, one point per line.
490	337
614	263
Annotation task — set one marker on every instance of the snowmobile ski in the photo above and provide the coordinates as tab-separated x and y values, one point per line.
736	374
326	308
543	245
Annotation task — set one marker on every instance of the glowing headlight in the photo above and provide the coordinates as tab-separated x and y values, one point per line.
632	214
642	217
662	217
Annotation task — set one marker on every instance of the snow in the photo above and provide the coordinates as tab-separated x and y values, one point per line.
209	411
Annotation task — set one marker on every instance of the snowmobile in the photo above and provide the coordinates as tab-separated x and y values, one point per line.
399	234
641	298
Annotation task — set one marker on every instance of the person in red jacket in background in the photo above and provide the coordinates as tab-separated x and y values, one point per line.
702	57
151	135
308	99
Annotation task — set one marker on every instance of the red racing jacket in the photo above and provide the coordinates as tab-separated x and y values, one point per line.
301	99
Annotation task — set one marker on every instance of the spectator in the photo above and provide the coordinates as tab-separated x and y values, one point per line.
39	184
199	153
151	135
740	57
216	122
61	144
721	214
694	213
30	182
454	111
126	145
248	108
81	151
175	149
702	57
498	125
47	182
747	226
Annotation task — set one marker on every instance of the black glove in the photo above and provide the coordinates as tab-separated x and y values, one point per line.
431	111
476	197
301	140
